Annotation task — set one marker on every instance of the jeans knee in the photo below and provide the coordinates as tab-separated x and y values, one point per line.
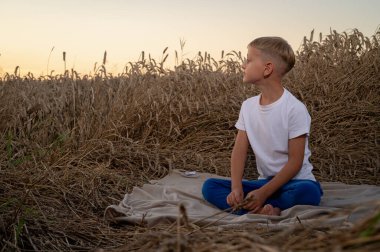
310	192
207	188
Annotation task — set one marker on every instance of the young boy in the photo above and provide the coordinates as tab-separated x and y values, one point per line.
277	126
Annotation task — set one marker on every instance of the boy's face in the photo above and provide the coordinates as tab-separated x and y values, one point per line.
254	66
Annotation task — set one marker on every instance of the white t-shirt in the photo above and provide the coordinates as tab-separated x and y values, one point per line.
269	127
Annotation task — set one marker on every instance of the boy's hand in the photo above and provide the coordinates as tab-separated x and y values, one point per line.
235	197
256	202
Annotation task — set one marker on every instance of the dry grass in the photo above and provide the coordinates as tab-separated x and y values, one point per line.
70	145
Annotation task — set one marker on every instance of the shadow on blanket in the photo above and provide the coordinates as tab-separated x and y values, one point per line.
158	202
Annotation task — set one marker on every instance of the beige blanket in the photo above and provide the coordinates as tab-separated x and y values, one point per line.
158	202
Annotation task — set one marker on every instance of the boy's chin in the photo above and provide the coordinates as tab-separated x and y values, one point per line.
245	81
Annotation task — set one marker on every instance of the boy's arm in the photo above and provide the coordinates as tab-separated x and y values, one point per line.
292	167
238	158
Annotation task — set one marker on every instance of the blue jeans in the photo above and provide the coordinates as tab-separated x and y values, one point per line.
295	192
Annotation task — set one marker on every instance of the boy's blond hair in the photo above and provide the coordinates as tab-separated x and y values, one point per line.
277	48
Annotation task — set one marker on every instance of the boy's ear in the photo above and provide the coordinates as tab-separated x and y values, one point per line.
268	69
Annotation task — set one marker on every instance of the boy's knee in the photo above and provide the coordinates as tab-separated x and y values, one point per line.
310	192
207	187
213	186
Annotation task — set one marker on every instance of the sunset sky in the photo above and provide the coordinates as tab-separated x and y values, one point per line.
84	29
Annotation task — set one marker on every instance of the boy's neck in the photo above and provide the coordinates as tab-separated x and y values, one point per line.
271	92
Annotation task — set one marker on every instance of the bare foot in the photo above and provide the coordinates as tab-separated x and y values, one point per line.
270	210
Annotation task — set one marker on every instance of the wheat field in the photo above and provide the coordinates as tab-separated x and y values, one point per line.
72	144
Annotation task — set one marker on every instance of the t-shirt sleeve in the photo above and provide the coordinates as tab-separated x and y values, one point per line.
299	121
240	122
